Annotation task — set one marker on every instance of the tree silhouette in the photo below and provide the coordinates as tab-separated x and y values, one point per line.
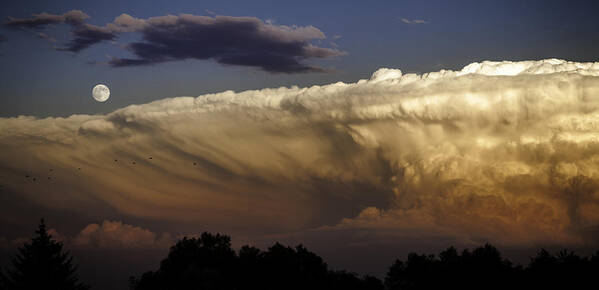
42	264
483	268
206	262
209	263
563	270
289	268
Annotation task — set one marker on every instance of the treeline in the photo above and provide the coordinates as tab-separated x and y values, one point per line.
208	262
484	268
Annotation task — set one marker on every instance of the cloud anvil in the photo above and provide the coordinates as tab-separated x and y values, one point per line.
507	151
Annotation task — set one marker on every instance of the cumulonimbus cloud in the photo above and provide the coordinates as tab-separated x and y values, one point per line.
498	151
243	41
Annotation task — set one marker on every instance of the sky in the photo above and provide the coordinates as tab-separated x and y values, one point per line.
363	130
40	81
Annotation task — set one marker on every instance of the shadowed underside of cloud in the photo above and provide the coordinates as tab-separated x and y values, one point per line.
74	17
85	35
506	152
244	41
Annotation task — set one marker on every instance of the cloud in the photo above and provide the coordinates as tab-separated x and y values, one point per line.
85	35
242	41
498	151
245	41
107	235
11	244
73	17
2	38
46	37
116	235
414	21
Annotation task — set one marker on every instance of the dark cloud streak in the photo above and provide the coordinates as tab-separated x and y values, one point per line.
244	41
88	35
73	17
228	40
85	35
46	37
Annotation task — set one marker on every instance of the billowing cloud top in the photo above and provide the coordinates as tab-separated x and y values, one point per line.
506	152
245	41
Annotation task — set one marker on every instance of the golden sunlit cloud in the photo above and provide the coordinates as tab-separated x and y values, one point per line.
501	151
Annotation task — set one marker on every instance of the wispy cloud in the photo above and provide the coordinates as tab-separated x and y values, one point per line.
46	37
85	35
74	17
414	21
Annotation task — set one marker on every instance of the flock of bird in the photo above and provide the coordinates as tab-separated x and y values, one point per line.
32	178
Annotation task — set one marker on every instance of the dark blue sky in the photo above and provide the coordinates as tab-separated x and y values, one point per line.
37	80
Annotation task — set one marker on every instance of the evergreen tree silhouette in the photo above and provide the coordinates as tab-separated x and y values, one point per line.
42	264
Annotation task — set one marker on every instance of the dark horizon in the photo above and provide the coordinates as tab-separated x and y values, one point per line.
254	268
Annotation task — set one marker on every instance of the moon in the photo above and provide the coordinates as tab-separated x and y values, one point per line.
101	93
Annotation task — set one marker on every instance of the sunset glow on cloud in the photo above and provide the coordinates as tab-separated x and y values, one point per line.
500	151
374	145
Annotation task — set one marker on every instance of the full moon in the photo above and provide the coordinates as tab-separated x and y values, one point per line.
101	93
